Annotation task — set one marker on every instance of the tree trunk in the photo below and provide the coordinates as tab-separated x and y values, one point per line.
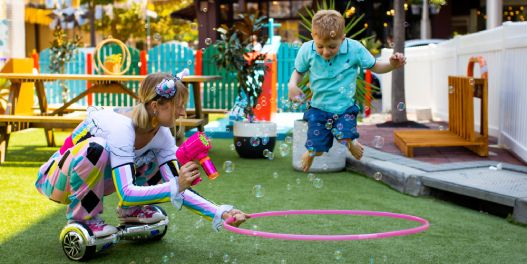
91	7
398	99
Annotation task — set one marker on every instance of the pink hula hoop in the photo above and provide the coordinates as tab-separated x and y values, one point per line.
402	232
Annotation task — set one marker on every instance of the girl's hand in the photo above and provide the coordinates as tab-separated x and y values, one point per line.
187	174
397	60
239	217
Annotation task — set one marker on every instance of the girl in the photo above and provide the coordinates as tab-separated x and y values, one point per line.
130	151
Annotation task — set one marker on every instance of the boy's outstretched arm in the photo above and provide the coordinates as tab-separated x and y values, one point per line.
396	60
294	91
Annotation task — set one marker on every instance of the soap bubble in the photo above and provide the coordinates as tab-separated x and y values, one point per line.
284	150
265	140
266	153
228	166
377	176
199	224
311	176
275	175
232	147
338	254
258	191
401	106
208	41
318	183
255	141
378	142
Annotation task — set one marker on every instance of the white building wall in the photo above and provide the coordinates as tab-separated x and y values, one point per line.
505	50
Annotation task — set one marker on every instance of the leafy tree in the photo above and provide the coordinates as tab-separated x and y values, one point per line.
173	29
91	8
130	23
126	23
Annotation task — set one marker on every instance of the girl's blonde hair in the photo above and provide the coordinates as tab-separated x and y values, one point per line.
328	24
147	93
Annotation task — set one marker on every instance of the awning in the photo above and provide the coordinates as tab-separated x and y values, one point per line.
38	16
188	13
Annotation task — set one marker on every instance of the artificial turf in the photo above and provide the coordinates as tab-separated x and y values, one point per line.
30	224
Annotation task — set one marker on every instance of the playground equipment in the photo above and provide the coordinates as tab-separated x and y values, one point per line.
114	62
461	117
79	243
403	232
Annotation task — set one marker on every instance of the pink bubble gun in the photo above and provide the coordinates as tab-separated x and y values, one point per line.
197	147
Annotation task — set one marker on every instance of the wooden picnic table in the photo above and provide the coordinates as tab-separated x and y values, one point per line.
99	84
52	118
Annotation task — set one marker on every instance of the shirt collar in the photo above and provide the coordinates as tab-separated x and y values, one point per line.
343	46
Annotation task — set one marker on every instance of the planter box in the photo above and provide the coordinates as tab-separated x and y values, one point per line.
334	160
252	139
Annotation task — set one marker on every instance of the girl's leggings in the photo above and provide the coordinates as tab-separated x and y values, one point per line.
82	176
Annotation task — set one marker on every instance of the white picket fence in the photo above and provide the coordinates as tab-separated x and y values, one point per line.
505	50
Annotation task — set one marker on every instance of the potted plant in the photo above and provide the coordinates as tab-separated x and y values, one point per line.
415	5
435	6
62	51
113	62
252	138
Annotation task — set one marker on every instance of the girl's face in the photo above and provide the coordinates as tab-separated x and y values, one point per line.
167	113
327	48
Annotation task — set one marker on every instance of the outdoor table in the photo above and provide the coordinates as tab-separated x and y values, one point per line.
99	84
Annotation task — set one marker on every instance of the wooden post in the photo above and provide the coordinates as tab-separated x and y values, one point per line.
367	97
265	105
198	65
144	63
89	70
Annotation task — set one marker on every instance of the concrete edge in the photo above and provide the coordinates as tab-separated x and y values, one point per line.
519	213
428	167
401	178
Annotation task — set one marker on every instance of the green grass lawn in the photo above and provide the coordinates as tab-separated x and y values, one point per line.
30	224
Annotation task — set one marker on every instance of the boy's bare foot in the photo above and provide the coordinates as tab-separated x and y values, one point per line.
306	161
356	149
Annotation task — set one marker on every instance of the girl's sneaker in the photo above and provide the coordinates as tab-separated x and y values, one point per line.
145	214
98	227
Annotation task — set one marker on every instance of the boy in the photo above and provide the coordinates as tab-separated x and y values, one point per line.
333	61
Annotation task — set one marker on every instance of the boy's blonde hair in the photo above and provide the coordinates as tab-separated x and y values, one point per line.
147	93
328	24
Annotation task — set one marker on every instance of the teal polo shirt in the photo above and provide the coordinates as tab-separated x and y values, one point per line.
333	82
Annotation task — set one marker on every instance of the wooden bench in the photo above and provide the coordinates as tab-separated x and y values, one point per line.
13	123
462	91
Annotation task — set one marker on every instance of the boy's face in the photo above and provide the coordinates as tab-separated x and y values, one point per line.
327	48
